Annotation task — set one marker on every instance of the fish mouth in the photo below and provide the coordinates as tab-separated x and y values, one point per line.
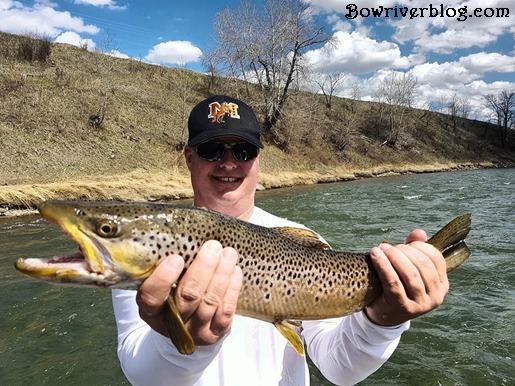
73	269
90	266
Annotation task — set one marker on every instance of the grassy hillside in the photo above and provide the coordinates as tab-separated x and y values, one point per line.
84	124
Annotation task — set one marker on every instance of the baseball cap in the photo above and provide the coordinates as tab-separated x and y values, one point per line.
223	116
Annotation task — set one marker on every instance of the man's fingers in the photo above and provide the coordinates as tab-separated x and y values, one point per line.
216	290
416	235
419	267
435	261
385	270
193	285
225	312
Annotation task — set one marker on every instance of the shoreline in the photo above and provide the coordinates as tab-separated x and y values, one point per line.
173	188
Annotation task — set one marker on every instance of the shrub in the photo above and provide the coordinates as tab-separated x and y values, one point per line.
34	47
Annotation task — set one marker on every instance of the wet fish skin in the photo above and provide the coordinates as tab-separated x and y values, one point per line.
288	273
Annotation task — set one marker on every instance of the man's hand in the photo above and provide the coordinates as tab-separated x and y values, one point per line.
414	279
206	296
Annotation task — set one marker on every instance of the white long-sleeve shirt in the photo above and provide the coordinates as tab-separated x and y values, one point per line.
253	353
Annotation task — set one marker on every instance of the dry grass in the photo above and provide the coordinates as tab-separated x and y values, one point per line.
51	148
135	186
139	186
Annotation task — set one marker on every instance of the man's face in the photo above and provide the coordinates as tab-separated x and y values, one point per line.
227	186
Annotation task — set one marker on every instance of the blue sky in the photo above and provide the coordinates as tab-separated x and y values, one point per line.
469	57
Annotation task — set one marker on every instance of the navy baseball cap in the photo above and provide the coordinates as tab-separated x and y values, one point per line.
223	116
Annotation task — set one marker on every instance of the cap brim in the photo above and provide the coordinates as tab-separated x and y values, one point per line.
212	134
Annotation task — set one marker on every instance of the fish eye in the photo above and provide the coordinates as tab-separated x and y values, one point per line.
107	228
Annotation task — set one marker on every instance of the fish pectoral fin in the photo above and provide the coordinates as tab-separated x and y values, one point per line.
179	335
302	236
287	329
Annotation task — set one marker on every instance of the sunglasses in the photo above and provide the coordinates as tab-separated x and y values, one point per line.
214	151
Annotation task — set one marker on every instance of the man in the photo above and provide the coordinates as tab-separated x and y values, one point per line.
223	159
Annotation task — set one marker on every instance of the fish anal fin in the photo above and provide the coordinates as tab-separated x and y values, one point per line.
179	335
302	236
287	329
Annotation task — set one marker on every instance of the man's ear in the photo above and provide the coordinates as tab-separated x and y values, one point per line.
188	155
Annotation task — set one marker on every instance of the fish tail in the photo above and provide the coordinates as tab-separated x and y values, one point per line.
450	240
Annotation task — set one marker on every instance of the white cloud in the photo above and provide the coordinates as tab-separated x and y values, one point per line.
75	39
338	23
458	29
174	52
464	30
466	70
358	54
41	18
345	7
110	4
444	75
482	62
118	54
452	39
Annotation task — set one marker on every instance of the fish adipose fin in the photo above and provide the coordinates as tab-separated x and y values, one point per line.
304	237
450	240
287	329
179	335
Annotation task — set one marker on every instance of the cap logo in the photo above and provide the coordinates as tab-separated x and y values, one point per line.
218	111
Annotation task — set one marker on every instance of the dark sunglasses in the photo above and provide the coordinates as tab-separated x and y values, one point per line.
214	151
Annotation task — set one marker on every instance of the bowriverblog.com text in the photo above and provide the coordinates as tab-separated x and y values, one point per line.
461	13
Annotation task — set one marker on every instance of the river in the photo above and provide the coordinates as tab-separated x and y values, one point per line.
60	336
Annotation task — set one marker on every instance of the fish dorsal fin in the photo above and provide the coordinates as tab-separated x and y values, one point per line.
304	237
287	329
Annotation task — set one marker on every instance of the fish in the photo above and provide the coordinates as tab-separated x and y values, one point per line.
289	274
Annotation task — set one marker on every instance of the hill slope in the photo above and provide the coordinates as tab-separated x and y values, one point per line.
84	116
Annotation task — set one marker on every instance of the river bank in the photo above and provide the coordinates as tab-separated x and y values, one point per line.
22	200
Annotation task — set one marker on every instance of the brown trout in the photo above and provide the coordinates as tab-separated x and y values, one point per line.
289	274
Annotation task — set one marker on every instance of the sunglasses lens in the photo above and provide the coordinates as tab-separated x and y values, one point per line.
214	151
211	151
244	151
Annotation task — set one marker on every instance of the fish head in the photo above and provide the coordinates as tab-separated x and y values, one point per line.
110	255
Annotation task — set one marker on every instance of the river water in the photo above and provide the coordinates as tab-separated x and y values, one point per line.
60	336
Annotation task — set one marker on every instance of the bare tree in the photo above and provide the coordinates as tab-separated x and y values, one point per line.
330	84
503	108
458	108
356	94
396	94
265	47
209	63
181	83
107	47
